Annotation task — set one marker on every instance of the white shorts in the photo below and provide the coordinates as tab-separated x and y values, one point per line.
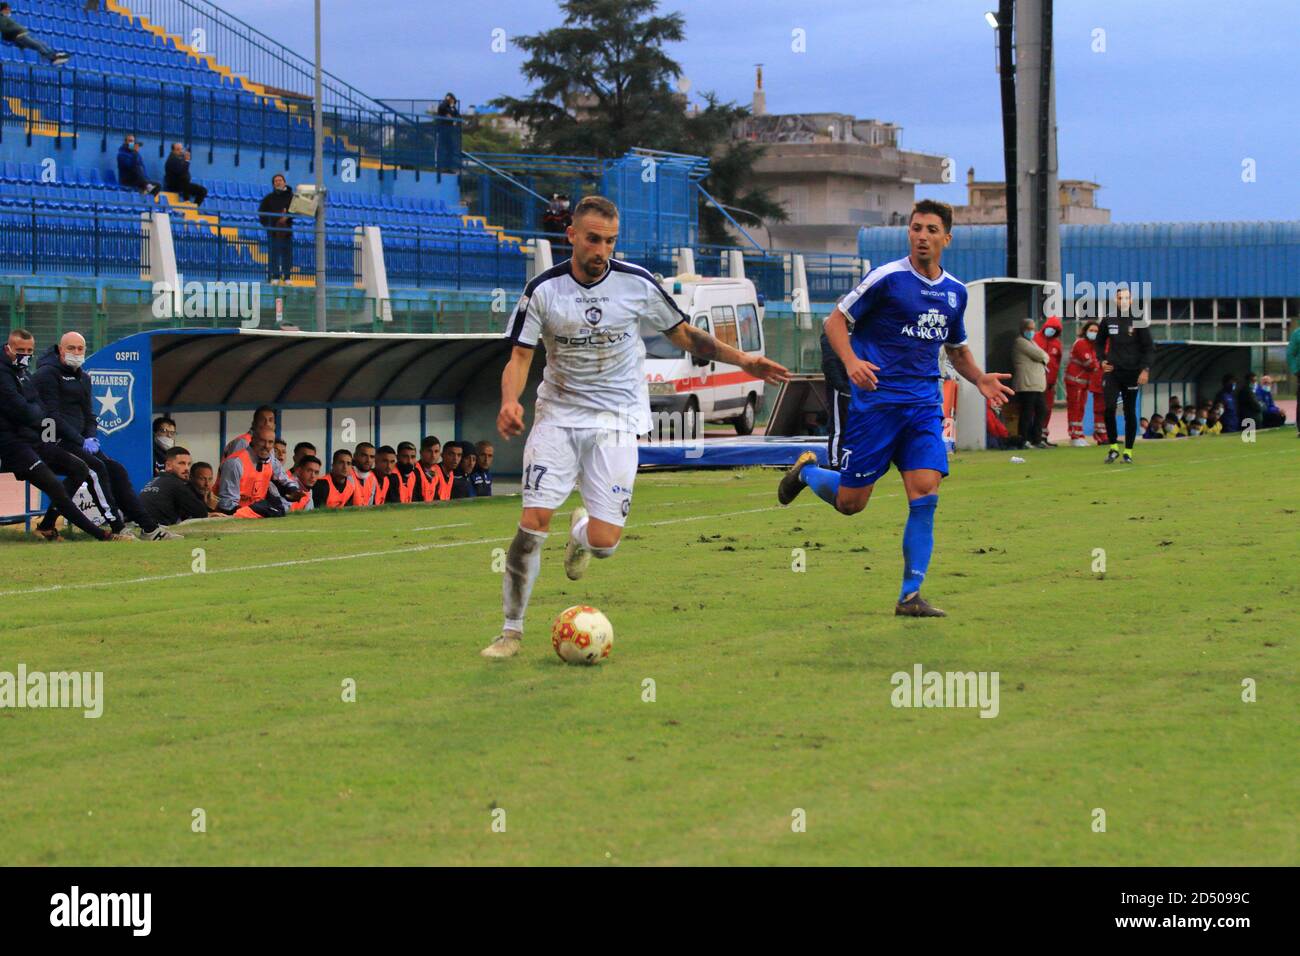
601	462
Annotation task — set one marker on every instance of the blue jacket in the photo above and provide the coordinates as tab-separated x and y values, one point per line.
1229	418
1265	396
130	167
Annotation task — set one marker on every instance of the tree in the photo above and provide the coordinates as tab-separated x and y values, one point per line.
604	84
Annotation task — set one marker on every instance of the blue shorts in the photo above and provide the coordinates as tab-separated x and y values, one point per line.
910	436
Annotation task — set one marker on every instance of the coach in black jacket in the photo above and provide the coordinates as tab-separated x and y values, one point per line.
64	391
23	424
1126	352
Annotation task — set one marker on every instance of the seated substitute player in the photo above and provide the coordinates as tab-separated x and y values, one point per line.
363	470
893	324
592	402
263	417
307	474
339	487
244	483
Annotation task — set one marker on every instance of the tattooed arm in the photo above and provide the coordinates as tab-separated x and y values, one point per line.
703	345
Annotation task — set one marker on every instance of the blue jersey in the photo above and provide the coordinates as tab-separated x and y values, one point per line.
898	321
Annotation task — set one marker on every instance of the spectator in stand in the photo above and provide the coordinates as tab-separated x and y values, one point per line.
339	488
1078	373
274	215
409	480
176	176
449	107
131	173
164	439
363	464
557	218
1029	380
389	486
481	478
23	453
1048	338
1156	427
244	484
263	417
64	392
1227	399
1272	415
14	32
435	483
170	498
307	474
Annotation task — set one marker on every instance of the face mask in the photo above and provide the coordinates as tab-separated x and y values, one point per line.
165	442
72	360
1048	333
1200	421
1092	336
1028	335
22	361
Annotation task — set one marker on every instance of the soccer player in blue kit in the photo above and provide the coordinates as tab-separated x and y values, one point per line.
888	331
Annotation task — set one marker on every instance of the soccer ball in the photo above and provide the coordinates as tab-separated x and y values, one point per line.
582	635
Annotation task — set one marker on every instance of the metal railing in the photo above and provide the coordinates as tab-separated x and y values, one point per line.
250	53
65	103
108	240
451	259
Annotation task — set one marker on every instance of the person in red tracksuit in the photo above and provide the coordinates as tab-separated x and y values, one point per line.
1048	338
1083	374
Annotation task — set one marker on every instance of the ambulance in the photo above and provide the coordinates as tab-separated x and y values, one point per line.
732	312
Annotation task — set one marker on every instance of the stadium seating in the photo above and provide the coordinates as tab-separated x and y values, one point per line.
135	80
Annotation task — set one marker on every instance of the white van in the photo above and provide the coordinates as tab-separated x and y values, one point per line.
730	311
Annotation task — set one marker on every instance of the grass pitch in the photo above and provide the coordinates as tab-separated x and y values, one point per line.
1122	691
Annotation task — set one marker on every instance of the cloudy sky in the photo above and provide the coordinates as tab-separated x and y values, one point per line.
1184	92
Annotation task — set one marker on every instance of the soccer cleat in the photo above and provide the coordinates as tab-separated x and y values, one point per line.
1080	443
916	606
1112	456
162	534
121	536
576	557
507	645
1128	458
48	534
792	481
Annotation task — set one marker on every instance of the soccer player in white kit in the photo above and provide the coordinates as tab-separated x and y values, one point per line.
592	402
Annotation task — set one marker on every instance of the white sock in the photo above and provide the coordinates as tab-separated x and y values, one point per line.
523	562
579	534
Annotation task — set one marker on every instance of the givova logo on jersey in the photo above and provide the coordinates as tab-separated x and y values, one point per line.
931	324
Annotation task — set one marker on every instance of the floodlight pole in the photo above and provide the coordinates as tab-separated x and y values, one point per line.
319	164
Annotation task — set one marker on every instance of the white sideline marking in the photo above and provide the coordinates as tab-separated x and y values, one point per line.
410	549
246	530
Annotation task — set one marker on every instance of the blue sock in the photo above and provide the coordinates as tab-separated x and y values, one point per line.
918	542
824	482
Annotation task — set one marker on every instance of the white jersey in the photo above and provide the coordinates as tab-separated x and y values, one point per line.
595	358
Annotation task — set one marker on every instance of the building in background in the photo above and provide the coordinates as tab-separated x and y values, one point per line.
986	203
833	173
